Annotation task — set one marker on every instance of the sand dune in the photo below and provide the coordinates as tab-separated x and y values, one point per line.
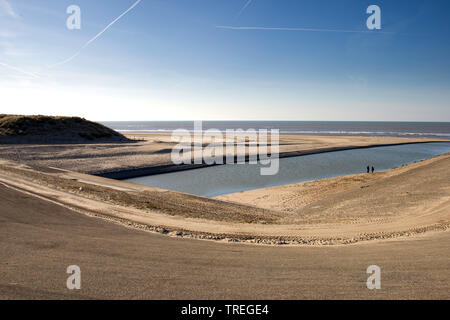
381	195
20	129
405	202
39	240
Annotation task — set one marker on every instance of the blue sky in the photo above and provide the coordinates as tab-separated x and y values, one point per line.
168	60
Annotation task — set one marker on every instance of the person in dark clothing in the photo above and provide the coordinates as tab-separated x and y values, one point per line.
368	169
373	169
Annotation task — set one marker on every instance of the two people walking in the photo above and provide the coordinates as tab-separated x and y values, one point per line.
368	169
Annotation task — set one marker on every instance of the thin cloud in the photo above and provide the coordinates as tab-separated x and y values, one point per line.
7	34
243	8
95	37
6	7
8	66
300	29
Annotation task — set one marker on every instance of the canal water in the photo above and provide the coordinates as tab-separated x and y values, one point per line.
230	178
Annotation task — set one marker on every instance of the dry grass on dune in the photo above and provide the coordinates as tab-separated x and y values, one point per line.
47	129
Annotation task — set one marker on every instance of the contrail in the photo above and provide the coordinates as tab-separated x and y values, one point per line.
8	8
19	70
300	29
96	36
243	8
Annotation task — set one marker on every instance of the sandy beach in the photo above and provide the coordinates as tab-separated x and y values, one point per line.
401	202
321	226
151	153
379	196
40	239
224	150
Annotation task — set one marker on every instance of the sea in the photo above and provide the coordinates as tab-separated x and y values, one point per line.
325	128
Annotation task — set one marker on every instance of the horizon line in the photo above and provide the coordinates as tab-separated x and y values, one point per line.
393	121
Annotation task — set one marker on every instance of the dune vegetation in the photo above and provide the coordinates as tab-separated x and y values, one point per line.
48	129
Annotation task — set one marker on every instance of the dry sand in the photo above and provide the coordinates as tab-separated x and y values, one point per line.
331	230
411	188
407	202
39	240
